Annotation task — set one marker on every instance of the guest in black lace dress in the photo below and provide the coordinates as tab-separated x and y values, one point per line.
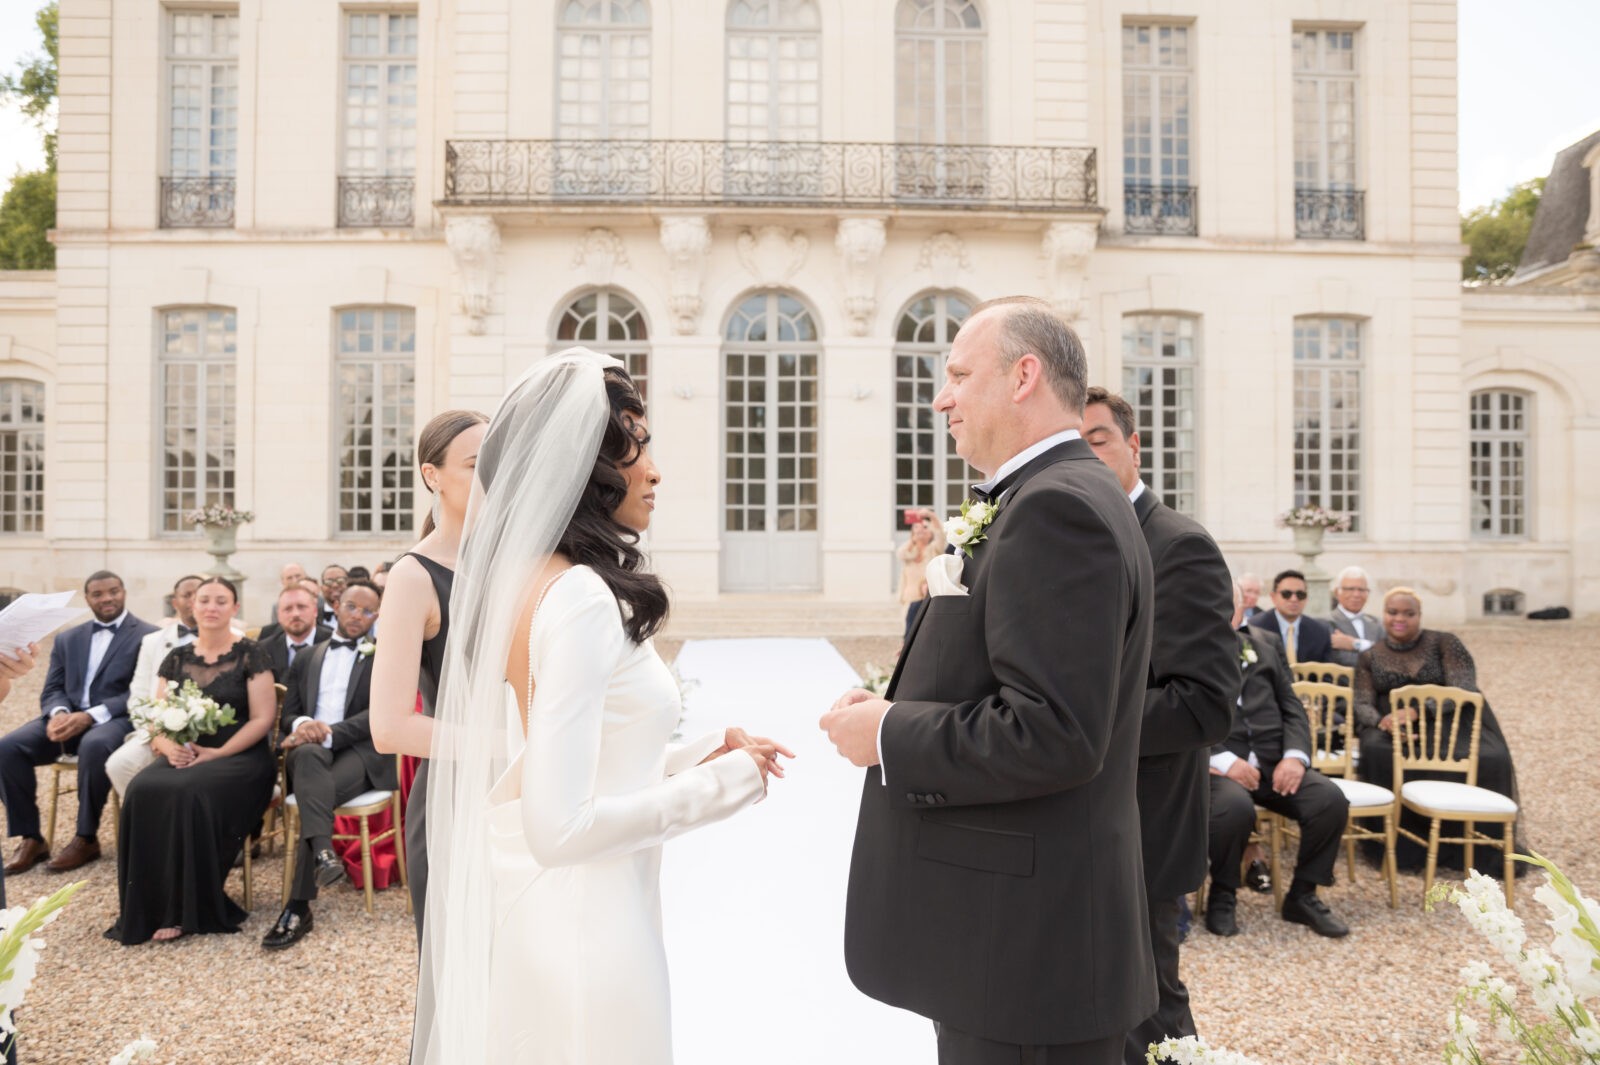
1410	654
185	817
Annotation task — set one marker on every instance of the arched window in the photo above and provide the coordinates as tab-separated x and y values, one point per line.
1158	381
195	375
774	80
603	70
609	321
1327	415
21	456
927	470
375	358
939	72
1498	445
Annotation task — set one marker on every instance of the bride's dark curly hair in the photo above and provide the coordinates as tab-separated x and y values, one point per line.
594	538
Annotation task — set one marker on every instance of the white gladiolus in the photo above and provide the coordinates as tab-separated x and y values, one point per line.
1588	1040
1192	1050
138	1050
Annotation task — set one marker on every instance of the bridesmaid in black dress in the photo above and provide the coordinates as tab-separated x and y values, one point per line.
416	622
1410	654
185	817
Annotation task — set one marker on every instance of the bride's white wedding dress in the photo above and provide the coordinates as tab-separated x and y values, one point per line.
579	973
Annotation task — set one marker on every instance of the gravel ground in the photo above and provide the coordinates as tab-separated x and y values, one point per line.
1276	992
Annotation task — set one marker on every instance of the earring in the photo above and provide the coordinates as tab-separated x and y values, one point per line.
435	511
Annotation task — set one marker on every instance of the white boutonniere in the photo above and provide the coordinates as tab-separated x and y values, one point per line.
366	647
1247	654
967	531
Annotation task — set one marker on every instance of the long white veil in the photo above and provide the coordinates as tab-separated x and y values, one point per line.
535	460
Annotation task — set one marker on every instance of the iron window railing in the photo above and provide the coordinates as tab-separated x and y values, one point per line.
1165	211
197	202
376	201
1329	214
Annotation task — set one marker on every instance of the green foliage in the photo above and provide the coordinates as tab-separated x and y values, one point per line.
1497	234
27	212
34	83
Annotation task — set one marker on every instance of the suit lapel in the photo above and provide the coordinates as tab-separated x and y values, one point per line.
119	639
313	679
358	674
1145	505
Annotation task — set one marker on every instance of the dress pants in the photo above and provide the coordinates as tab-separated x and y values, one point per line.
126	762
1172	1019
1318	807
320	779
26	747
959	1048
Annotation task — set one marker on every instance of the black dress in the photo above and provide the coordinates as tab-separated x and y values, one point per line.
428	672
1432	658
182	828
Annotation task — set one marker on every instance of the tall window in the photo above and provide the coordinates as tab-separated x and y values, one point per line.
1327	415
1327	203
774	81
380	119
195	374
376	419
1499	465
1157	192
939	72
202	118
603	70
609	321
21	456
927	470
1158	380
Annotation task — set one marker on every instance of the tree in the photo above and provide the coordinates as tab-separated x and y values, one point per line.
28	210
1496	234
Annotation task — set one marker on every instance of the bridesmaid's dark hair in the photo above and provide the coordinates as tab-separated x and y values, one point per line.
225	582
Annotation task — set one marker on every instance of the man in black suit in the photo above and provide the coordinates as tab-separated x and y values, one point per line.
996	885
295	632
1188	706
1303	639
327	732
1264	762
83	711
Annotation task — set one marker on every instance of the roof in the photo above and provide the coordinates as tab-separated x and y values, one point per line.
1563	211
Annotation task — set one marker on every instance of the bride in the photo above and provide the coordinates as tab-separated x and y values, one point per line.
554	782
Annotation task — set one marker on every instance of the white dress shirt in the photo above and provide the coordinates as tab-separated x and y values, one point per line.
332	688
99	643
1138	490
1362	640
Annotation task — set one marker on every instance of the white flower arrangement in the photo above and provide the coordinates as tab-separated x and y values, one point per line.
1314	517
19	952
1247	654
1192	1050
182	717
875	679
138	1050
366	647
967	530
219	515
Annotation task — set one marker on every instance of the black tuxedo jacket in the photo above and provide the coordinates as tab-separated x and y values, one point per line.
277	648
1188	698
305	677
996	883
1270	719
1315	643
69	663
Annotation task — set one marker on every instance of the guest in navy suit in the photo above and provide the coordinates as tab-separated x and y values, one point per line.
1304	639
84	711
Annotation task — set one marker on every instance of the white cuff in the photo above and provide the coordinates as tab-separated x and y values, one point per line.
1296	753
100	714
1363	645
54	710
327	741
883	772
1222	762
301	720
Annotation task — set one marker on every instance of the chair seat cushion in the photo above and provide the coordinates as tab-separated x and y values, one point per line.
67	759
366	798
1456	797
1363	795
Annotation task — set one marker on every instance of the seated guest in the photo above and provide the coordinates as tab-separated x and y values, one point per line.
289	576
380	575
1250	585
1303	639
84	712
357	573
331	758
134	754
186	815
334	579
294	628
1353	631
1410	654
1264	762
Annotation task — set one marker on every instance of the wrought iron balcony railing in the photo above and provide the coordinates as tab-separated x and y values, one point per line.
1164	211
800	173
1329	214
196	202
376	201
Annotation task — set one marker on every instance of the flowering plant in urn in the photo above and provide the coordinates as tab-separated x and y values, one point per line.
1314	517
215	515
182	717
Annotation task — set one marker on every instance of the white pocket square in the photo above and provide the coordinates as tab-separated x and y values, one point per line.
944	575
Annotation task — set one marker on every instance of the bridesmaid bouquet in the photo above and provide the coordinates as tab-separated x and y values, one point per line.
182	717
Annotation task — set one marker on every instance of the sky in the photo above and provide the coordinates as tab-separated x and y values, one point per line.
1527	89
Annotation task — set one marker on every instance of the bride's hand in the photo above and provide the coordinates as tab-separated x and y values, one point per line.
766	756
737	739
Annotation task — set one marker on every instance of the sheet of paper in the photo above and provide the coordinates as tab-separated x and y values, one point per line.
32	617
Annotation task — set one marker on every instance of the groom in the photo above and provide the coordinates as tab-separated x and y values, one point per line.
997	885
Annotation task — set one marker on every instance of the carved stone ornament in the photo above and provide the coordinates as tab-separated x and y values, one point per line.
1066	249
686	239
474	241
944	256
598	255
860	245
772	254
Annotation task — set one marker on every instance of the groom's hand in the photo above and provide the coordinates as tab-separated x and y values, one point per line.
852	725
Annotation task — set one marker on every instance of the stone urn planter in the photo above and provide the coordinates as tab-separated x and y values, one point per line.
1308	540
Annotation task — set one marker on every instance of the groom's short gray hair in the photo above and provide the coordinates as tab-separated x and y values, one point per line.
1030	325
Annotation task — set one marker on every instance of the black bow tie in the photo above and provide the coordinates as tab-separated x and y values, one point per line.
106	626
184	630
342	645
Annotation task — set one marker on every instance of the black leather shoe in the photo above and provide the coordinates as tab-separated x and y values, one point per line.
1258	878
1315	915
330	868
1220	914
290	929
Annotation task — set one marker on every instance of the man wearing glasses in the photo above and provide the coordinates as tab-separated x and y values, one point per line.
1353	631
1304	639
334	579
328	736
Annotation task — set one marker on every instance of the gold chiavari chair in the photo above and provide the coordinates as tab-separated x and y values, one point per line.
364	806
1324	673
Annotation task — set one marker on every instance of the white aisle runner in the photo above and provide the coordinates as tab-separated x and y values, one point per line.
754	906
